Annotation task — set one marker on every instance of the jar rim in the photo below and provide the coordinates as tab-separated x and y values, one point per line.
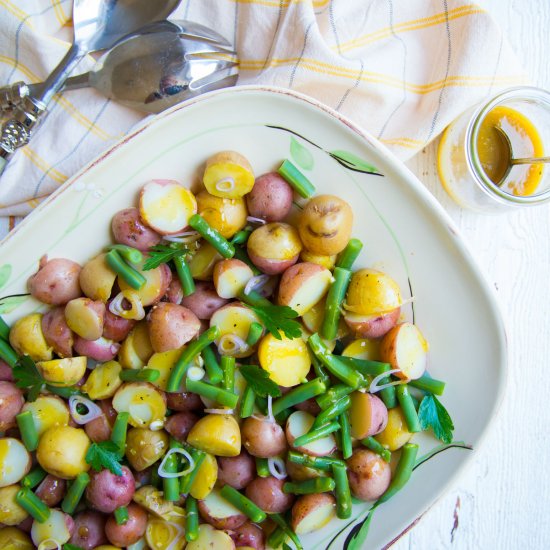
472	158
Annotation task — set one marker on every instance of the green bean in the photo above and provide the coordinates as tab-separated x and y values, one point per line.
171	485
121	515
333	304
156	480
63	392
130	275
191	519
429	384
214	237
228	368
241	236
333	394
366	367
7	353
407	406
184	275
343	495
242	503
75	492
221	396
402	472
254	333
376	447
4	330
27	428
276	538
34	477
262	469
247	403
296	179
345	432
388	394
187	356
254	299
33	505
323	463
333	364
139	375
319	370
310	486
186	481
316	434
349	254
299	394
241	254
211	366
281	522
328	414
118	434
132	255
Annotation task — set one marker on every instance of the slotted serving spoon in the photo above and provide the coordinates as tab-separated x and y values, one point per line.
97	24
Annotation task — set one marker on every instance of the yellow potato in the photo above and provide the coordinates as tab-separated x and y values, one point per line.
10	511
228	174
62	450
231	277
312	512
152	500
206	478
164	362
15	461
136	349
55	530
363	349
14	539
313	319
287	361
225	215
48	411
103	381
395	434
203	261
324	261
157	281
210	538
217	434
144	447
97	279
144	403
26	338
63	372
372	292
166	533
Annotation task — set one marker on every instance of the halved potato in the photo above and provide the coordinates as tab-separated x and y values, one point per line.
220	513
406	349
299	423
230	277
48	411
97	279
156	284
225	215
210	539
372	326
16	461
144	403
312	512
206	478
203	261
324	261
63	372
372	292
136	349
85	317
217	434
368	415
363	349
103	381
228	174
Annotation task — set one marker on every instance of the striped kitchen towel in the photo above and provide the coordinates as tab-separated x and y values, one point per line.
402	69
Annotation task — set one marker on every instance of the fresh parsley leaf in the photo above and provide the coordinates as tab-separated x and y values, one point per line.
432	414
104	455
258	379
162	254
279	318
27	376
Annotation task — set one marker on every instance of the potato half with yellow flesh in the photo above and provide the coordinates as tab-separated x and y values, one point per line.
47	411
372	292
228	175
27	338
15	461
217	434
225	215
144	403
63	372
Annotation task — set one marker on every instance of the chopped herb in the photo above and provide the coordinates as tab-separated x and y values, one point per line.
258	379
104	455
27	376
162	254
279	318
432	414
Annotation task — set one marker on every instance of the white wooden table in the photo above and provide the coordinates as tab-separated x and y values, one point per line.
503	501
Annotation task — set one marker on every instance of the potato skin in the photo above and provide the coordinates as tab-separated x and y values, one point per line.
179	425
145	447
305	504
107	491
229	522
116	328
57	333
270	198
204	301
11	403
51	490
267	493
369	475
171	326
129	229
100	350
184	401
56	281
100	428
6	373
248	535
129	533
372	326
368	415
262	438
89	530
236	471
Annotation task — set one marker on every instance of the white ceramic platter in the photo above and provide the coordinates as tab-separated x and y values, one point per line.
405	233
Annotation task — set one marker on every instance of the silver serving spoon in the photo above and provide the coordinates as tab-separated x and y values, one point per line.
97	24
511	161
160	65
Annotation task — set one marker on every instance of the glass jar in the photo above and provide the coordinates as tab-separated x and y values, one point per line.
460	167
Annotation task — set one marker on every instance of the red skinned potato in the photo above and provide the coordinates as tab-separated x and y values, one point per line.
106	491
263	438
179	425
131	531
299	423
248	535
116	328
129	229
369	475
267	493
368	415
184	401
85	317
299	472
270	198
98	350
274	247
89	530
51	490
231	277
11	403
372	326
236	471
174	294
312	512
100	428
204	301
57	333
220	513
157	281
56	281
6	372
171	326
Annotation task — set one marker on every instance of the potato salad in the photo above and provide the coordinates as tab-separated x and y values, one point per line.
226	373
